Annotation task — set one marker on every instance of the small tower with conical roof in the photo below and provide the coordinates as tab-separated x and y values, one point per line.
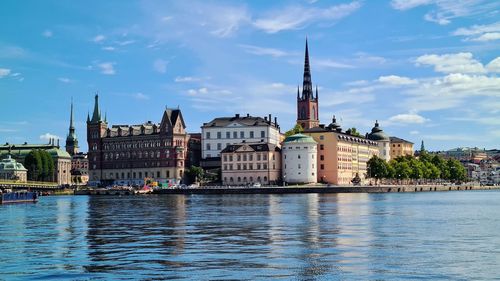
71	139
307	103
383	140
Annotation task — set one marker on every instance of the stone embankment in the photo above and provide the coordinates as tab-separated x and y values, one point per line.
321	189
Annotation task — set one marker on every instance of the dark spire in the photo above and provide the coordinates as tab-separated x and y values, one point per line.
96	116
71	140
88	117
307	92
422	147
316	92
71	127
298	96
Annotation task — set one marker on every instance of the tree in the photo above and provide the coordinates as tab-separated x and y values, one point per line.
295	130
377	168
354	132
195	174
457	171
440	163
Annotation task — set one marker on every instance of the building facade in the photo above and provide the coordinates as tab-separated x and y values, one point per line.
79	169
249	163
137	154
307	103
299	154
400	147
341	156
10	169
62	160
223	131
383	140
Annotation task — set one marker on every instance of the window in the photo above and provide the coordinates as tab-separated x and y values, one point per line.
244	157
219	146
251	134
264	166
242	134
264	157
250	166
228	135
299	166
219	135
225	167
230	158
262	134
239	158
321	137
208	135
298	156
239	179
235	135
250	157
258	157
321	147
158	174
238	167
140	174
208	146
322	167
225	158
168	174
244	166
258	166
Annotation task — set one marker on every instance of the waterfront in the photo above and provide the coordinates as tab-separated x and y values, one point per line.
438	235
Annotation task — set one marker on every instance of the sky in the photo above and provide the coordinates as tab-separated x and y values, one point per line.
425	69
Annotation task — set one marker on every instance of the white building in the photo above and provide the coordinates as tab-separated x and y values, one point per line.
299	154
224	131
383	140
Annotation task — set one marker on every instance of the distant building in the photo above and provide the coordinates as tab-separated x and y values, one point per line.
400	147
79	169
307	103
383	140
223	131
249	163
135	154
299	154
10	169
466	154
62	160
341	156
194	150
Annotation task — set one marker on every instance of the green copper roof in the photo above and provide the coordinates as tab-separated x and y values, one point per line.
9	164
299	138
378	134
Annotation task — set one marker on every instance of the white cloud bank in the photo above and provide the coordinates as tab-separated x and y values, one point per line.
48	136
107	68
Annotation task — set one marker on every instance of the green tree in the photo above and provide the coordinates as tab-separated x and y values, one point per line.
33	162
457	170
440	163
354	132
377	168
402	169
195	174
295	130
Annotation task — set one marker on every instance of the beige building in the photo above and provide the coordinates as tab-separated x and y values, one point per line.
62	160
249	163
340	155
400	147
10	169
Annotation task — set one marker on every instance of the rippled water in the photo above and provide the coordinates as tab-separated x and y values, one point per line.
443	235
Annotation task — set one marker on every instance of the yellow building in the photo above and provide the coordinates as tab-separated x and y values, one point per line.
400	147
340	155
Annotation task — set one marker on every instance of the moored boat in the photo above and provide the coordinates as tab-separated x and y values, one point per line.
18	197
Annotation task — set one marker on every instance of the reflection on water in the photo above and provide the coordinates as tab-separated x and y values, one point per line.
247	237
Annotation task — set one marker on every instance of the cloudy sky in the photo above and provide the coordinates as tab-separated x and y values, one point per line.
426	69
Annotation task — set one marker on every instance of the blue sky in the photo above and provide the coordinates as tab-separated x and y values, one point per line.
426	69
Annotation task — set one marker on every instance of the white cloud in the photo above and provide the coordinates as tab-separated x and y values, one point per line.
490	36
47	33
414	132
180	79
452	63
410	118
64	80
297	17
408	4
125	43
107	68
160	65
396	80
228	20
260	51
4	72
99	38
329	63
443	11
494	65
141	96
47	137
108	48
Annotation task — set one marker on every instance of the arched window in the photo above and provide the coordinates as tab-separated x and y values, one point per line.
302	112
314	113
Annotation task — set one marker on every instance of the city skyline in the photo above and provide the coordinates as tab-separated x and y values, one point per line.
426	70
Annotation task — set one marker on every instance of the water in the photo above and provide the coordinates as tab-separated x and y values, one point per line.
441	235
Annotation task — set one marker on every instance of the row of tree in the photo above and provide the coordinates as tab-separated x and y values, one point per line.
40	165
426	167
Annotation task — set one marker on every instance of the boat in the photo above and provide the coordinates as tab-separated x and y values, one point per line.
18	197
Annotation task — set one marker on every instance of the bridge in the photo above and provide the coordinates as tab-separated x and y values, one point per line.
31	185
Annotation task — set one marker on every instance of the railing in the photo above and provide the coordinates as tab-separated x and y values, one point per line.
28	183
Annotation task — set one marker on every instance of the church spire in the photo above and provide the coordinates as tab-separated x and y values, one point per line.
71	140
96	116
307	92
71	127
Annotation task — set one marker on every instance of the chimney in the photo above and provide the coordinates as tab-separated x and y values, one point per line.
275	121
57	142
265	119
270	119
248	115
237	115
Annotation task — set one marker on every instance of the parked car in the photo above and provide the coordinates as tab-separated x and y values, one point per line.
256	185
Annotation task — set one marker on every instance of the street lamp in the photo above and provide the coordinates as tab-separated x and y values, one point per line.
284	180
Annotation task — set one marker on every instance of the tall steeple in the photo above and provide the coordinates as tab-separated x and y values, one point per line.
307	92
96	116
71	140
307	104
